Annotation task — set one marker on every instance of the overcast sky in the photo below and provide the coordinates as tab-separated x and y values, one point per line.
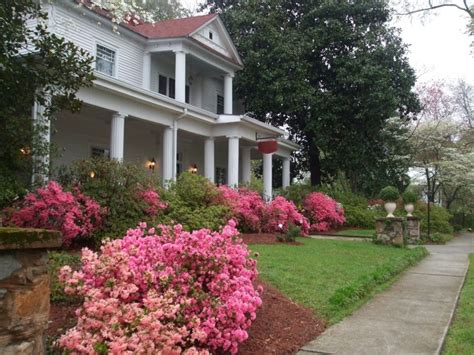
439	46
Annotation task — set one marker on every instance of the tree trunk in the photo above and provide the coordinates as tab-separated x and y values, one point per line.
314	165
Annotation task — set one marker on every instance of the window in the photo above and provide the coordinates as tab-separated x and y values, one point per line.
179	163
211	35
220	104
187	94
171	87
105	60
162	83
221	178
97	152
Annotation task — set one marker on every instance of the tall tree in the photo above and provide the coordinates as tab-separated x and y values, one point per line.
35	66
332	72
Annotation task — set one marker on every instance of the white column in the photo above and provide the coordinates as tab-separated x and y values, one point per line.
180	76
267	177
228	100
209	168
147	71
43	141
167	161
286	172
233	162
117	136
246	164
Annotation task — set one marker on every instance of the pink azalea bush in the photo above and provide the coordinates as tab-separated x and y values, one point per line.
280	213
163	290
152	201
247	207
323	212
72	213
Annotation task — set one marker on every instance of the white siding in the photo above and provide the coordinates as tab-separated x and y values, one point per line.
218	42
86	34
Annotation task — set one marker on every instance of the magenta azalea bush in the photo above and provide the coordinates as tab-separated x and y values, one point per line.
72	213
323	212
247	207
152	201
280	213
163	291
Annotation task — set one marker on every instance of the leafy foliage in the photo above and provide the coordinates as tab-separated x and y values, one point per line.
56	260
164	290
323	212
409	197
440	218
37	66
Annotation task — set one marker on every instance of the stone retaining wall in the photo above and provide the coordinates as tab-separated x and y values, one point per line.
24	289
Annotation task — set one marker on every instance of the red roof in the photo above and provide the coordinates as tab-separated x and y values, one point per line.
181	27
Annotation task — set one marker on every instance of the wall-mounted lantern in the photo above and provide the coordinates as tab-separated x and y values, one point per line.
193	169
151	164
92	174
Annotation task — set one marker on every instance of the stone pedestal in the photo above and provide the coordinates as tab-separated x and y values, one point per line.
24	289
390	230
412	230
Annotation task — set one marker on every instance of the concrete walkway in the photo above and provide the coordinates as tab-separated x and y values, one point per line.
412	316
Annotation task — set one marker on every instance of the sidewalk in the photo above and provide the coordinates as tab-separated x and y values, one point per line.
412	316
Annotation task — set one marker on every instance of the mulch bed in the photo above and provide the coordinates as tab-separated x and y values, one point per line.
281	327
263	238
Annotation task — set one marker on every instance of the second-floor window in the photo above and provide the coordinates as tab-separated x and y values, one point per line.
220	104
162	84
105	60
166	86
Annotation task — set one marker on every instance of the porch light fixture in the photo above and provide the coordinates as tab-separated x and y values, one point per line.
193	169
92	174
25	151
151	164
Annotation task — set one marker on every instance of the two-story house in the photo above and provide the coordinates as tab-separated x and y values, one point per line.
162	98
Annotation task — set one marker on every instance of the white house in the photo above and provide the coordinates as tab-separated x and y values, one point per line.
163	92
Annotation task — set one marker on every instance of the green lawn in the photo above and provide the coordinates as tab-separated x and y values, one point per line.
332	277
460	339
358	232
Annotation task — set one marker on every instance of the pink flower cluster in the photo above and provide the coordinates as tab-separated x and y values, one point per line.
73	214
152	200
247	207
323	212
163	290
280	213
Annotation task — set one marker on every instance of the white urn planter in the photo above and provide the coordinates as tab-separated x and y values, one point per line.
409	207
390	207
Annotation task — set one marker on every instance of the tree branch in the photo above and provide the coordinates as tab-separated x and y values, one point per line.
431	7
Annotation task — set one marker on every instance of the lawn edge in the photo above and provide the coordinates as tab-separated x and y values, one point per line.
442	344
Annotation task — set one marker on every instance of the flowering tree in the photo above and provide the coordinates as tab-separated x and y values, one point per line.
72	213
323	212
164	291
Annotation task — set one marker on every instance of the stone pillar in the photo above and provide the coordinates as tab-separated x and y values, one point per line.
180	76
413	230
42	127
233	162
209	168
24	289
286	172
117	136
167	161
246	164
147	71
389	230
228	97
267	177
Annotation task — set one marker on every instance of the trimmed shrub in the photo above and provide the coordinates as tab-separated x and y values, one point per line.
297	193
192	203
74	214
361	217
440	218
409	197
164	290
389	194
323	212
247	207
280	213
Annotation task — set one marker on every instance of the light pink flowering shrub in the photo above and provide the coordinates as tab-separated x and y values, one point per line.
152	201
279	213
72	213
247	207
323	212
164	291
